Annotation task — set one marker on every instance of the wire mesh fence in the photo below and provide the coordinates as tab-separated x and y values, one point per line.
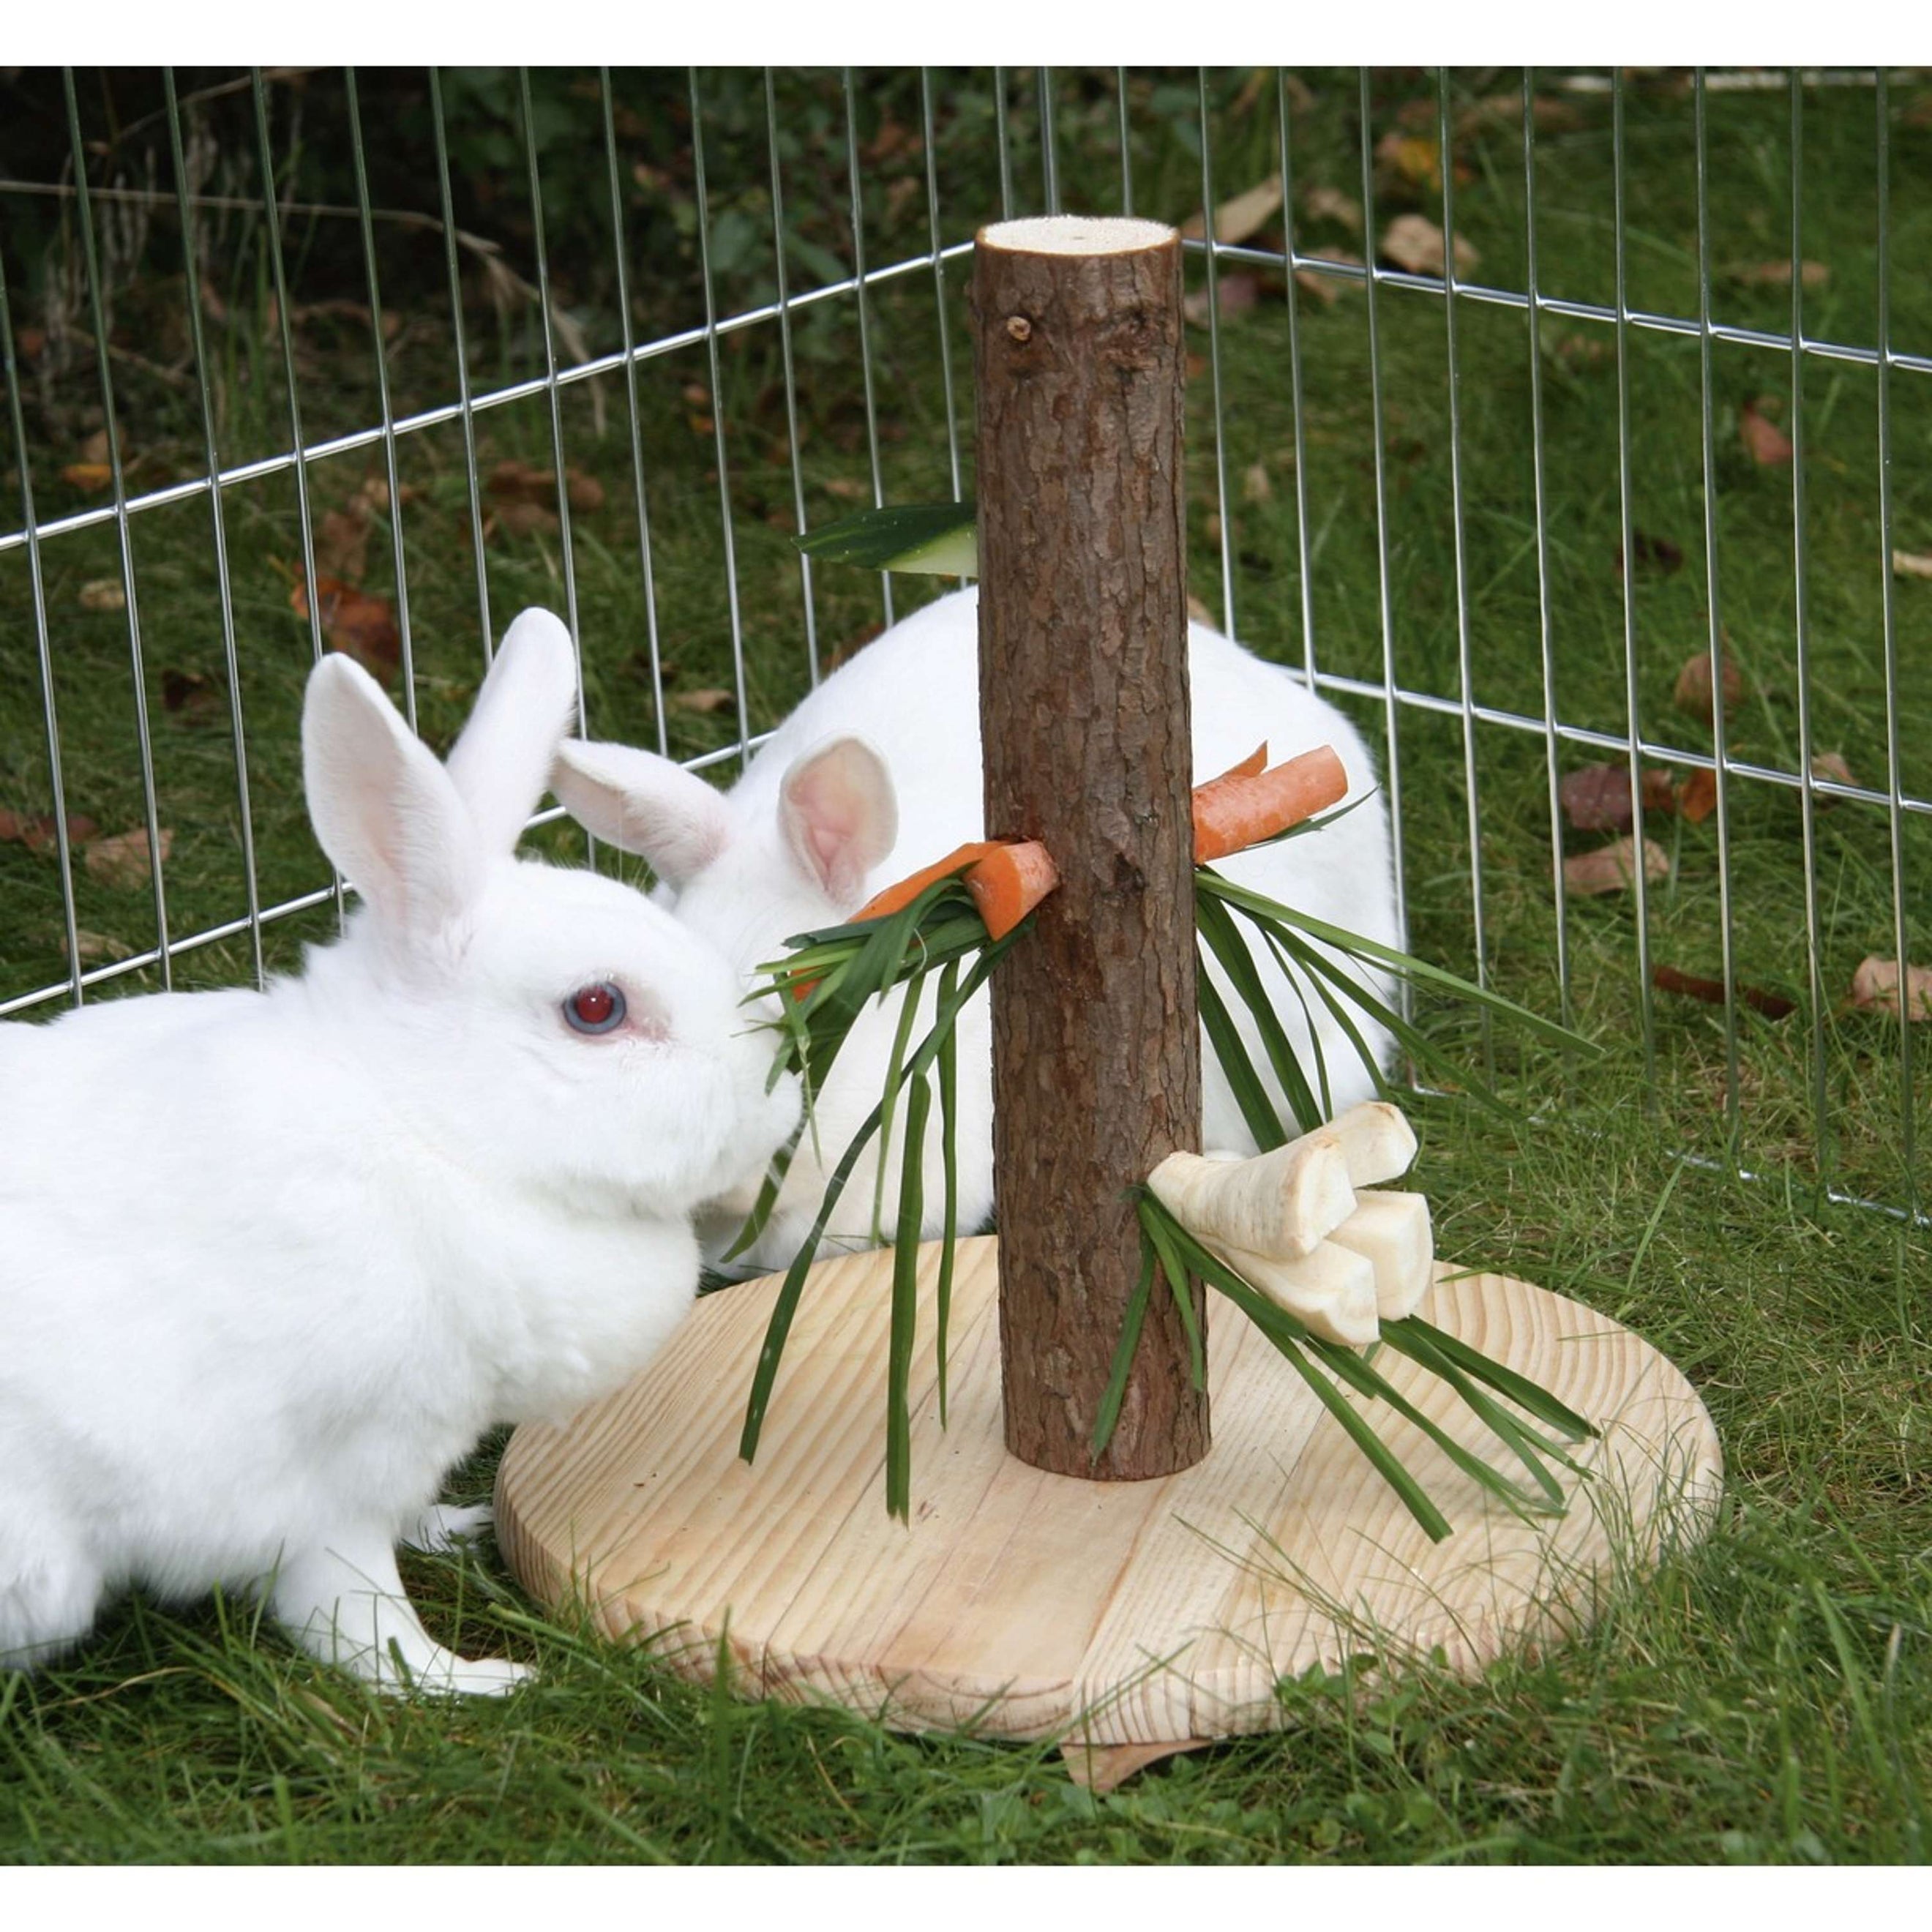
1559	426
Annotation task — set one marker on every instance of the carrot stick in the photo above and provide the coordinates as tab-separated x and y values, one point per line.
896	898
1009	883
1252	767
1233	813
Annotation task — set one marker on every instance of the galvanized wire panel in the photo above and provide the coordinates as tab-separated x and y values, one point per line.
1373	527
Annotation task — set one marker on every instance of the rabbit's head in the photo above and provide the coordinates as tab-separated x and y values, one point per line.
744	882
546	1028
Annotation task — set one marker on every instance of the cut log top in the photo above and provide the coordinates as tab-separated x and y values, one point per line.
1075	235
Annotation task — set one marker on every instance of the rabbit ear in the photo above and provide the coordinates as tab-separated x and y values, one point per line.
839	815
385	811
500	765
642	803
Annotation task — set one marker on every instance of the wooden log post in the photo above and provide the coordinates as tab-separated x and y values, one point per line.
1084	712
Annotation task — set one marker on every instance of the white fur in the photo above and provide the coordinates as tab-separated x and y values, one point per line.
891	742
271	1262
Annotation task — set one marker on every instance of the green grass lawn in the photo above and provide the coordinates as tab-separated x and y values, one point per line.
1765	1696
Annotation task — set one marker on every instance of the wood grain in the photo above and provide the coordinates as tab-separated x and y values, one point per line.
1027	1604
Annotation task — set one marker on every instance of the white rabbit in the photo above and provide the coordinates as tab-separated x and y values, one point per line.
270	1262
878	772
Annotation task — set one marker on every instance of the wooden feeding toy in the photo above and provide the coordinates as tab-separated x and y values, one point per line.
1113	1521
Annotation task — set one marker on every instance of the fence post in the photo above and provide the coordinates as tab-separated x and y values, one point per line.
1084	712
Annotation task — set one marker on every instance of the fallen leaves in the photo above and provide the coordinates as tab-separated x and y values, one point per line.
708	699
1241	217
104	593
1776	274
359	625
1692	695
1698	797
1326	288
1875	989
1413	242
1597	798
1764	442
523	498
1905	563
1831	766
124	860
1613	868
1331	204
1235	293
1658	554
1773	1005
39	835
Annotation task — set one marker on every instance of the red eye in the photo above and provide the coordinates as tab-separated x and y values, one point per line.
595	1009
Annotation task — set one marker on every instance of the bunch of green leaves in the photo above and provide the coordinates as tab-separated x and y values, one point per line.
1167	1250
822	986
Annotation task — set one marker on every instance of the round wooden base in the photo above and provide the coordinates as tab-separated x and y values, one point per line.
1029	1605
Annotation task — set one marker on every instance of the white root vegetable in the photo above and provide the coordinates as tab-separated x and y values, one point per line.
1377	1142
1279	1204
1331	1290
1390	1230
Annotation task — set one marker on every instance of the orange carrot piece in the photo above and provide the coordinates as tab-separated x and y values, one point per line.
1252	767
1009	883
1231	814
897	898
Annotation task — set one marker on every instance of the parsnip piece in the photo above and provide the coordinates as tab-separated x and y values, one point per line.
1391	1231
1377	1140
1281	1203
1331	1289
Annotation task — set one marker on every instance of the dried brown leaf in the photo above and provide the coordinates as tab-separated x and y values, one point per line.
705	700
1659	789
1692	695
359	625
104	593
1773	1005
1257	486
38	834
1241	216
1875	988
88	475
848	489
1657	553
1413	242
1831	766
1408	161
342	545
1597	798
1777	274
1235	292
1331	204
1613	868
1765	441
189	691
1698	797
123	860
95	947
1904	563
1327	288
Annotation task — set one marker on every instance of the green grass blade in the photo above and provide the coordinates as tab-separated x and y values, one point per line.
1406	964
929	539
1108	1416
949	1149
1250	1096
1158	1226
1224	940
786	1306
905	1305
1531	1397
889	1095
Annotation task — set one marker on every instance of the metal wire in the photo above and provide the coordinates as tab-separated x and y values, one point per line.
1465	656
192	265
1068	146
96	311
791	382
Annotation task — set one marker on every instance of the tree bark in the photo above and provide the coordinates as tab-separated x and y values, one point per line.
1084	712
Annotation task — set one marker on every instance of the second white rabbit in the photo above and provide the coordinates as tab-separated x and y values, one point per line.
876	773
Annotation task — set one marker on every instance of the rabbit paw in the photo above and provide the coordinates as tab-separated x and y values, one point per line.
441	1526
479	1677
